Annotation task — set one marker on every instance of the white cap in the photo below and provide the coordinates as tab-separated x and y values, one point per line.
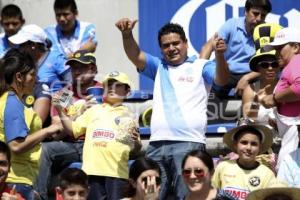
285	36
31	33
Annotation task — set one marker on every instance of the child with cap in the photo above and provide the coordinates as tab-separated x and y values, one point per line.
241	176
111	134
73	184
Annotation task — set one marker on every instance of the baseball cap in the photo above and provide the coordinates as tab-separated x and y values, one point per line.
31	33
285	36
82	56
118	76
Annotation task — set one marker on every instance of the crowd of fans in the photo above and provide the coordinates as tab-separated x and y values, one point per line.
49	119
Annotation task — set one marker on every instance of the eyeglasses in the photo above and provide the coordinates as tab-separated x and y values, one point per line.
157	180
199	173
266	65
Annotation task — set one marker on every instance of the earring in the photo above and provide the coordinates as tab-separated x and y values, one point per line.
33	47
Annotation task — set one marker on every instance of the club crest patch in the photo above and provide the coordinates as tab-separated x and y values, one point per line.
254	181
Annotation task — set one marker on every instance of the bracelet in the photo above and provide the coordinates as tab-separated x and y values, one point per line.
275	101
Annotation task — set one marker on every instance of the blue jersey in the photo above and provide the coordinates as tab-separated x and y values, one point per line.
84	31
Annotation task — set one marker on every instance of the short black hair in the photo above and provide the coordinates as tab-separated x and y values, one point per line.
171	28
264	4
5	150
11	10
248	129
71	176
63	4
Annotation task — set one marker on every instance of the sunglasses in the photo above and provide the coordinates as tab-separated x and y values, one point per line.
266	65
157	180
199	173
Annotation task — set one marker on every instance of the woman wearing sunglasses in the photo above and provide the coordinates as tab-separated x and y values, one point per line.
144	180
266	64
197	170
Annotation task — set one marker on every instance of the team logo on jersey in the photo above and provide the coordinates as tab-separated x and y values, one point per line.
254	181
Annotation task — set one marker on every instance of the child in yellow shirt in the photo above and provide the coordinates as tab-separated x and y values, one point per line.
110	135
241	176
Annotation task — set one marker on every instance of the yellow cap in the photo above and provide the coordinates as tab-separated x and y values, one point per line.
118	76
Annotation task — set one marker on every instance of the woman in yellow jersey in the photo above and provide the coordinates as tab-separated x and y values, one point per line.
20	127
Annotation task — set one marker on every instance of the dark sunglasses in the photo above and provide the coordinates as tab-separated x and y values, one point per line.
265	64
157	180
199	173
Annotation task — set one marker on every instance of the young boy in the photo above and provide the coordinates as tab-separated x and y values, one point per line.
241	176
6	193
73	184
111	134
11	21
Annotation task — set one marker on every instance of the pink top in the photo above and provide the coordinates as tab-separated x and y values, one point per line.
290	77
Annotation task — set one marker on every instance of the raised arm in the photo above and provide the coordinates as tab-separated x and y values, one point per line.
131	47
207	49
222	70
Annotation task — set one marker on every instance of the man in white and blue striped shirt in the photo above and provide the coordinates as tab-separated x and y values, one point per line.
70	34
181	90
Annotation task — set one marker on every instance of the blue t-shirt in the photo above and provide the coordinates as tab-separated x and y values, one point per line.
240	45
4	45
53	71
66	45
